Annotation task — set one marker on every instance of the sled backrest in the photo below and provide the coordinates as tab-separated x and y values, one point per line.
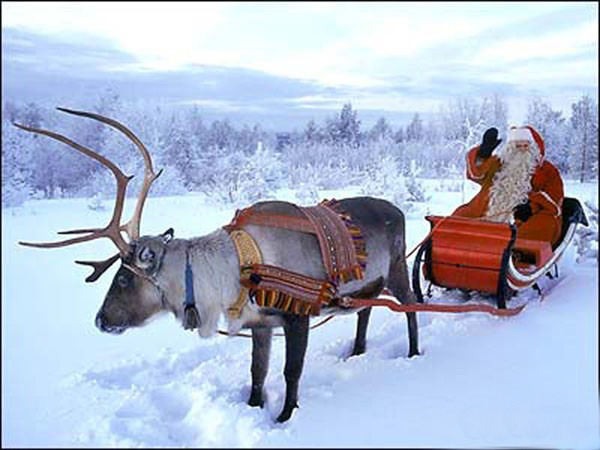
572	213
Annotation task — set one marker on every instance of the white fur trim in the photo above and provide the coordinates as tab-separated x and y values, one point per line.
551	200
520	134
470	170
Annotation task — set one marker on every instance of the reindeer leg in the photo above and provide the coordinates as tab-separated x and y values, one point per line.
360	342
400	287
296	341
261	349
413	335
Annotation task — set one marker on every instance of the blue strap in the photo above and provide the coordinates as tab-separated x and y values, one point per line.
189	283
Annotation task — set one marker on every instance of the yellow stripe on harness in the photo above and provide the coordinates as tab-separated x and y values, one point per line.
248	254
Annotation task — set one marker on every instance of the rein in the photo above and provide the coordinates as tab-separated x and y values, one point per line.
312	327
351	302
433	307
192	318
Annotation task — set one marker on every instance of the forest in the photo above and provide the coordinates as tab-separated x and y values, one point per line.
241	164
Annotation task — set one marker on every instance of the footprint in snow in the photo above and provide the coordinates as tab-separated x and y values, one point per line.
142	372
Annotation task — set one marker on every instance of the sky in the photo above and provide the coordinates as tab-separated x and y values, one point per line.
295	61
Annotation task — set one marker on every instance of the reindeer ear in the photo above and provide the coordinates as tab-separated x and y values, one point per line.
168	235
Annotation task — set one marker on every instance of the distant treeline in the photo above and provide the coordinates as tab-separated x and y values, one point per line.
241	164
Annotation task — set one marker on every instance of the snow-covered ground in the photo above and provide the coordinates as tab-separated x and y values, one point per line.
481	381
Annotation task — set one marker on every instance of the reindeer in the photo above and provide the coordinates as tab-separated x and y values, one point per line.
151	279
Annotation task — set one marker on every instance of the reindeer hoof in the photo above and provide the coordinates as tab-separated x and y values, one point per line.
256	400
357	352
286	414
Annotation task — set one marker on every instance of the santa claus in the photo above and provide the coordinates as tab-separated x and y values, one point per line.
518	186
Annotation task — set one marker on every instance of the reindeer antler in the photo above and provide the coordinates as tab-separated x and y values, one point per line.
99	267
132	227
114	228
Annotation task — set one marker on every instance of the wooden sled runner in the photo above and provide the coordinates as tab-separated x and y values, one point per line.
473	254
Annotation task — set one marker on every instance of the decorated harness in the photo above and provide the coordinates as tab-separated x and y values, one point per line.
343	253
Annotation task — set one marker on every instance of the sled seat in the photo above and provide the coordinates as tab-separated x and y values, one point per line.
467	253
533	252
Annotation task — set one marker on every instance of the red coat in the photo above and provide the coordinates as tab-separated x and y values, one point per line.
546	197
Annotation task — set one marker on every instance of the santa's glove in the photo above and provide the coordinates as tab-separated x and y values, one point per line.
488	143
522	212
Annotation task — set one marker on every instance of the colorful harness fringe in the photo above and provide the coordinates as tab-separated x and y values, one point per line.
343	250
275	287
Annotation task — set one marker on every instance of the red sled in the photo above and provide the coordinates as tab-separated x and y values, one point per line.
473	254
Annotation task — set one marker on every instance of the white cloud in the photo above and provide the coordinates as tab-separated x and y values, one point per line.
162	35
224	105
360	45
555	45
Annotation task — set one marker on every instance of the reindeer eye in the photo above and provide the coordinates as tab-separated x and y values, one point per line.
146	255
123	280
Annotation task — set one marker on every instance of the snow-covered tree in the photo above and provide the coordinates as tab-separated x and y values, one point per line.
181	153
414	130
344	128
31	115
399	135
494	113
16	163
458	116
551	125
312	133
384	179
584	144
243	179
381	130
221	134
587	237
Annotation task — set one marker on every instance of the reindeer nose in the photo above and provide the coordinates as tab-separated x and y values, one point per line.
100	321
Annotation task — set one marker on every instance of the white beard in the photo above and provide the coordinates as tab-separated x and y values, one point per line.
511	183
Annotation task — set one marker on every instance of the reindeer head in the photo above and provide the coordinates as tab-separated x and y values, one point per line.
133	296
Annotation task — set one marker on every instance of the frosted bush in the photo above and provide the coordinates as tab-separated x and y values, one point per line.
416	191
14	192
252	187
95	203
334	175
100	182
307	194
327	166
384	180
586	240
170	182
240	179
449	186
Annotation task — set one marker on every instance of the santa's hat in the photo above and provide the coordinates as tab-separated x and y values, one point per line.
527	133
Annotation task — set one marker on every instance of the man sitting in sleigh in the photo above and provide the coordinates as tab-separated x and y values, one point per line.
517	184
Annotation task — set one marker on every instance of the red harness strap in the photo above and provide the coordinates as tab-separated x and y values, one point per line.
336	243
431	307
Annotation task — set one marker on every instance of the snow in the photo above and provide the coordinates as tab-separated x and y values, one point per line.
480	381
